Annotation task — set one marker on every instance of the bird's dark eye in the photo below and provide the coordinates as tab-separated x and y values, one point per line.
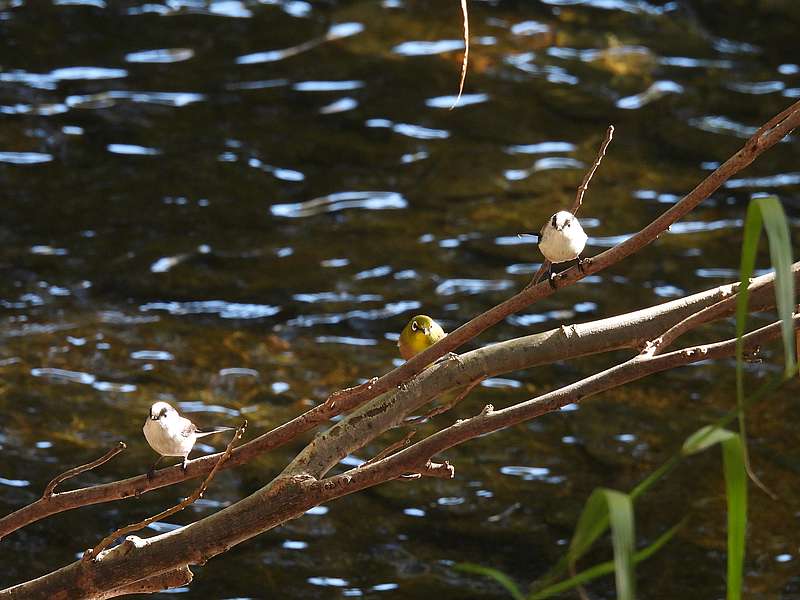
163	413
414	326
568	222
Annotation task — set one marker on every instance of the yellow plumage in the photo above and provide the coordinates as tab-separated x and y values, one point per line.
420	333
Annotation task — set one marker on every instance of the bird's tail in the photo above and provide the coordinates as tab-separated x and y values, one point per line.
211	430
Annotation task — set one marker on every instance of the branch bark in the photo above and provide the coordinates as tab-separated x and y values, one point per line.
767	136
630	330
301	486
288	497
48	491
490	420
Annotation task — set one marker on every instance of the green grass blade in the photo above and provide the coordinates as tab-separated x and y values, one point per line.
780	252
704	438
620	512
736	492
605	568
591	525
752	235
498	576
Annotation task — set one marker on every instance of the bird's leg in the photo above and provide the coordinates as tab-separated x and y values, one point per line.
185	462
551	277
152	470
583	263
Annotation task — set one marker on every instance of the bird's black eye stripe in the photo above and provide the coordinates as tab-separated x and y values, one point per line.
553	221
163	413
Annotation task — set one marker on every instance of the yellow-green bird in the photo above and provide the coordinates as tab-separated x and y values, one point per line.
421	332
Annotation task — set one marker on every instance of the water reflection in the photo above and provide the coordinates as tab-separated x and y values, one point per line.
336	32
341	201
160	55
238	207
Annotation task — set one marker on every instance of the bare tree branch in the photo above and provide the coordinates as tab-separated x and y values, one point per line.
767	136
490	420
724	307
447	405
590	173
194	497
301	485
546	264
465	60
290	495
401	443
165	581
48	491
630	330
370	420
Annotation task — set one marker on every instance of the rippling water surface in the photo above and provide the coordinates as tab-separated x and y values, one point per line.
235	206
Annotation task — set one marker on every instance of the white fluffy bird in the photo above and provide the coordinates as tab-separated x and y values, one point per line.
170	434
562	238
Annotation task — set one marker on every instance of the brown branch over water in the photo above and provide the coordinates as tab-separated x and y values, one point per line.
48	491
198	493
299	487
767	136
631	330
490	420
289	496
590	173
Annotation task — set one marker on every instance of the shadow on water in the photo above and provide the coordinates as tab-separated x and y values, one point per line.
235	206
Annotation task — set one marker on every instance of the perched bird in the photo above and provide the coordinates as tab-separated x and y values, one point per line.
170	434
420	333
562	238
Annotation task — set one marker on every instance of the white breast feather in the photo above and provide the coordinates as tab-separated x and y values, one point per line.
561	246
158	436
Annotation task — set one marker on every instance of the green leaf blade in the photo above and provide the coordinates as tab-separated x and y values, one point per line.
620	512
736	494
780	251
704	438
591	524
498	576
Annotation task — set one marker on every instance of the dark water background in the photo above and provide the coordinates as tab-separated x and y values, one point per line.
275	187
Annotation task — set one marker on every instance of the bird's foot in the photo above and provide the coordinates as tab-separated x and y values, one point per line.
446	357
583	263
184	464
551	277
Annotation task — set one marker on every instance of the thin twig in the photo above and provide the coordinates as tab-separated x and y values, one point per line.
290	495
443	408
588	177
198	493
493	420
465	60
401	443
50	489
613	335
693	321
